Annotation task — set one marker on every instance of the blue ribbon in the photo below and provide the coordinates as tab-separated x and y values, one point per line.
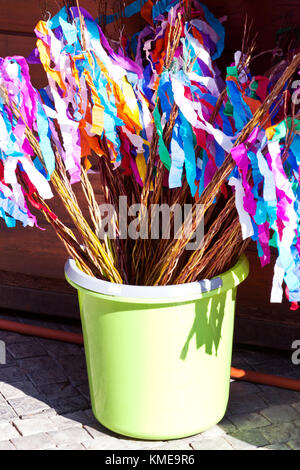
11	212
190	158
177	157
241	111
44	140
219	28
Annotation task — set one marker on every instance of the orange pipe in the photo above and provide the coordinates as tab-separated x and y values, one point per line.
76	338
265	379
42	332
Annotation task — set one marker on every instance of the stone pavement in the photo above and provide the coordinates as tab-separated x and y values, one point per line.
44	402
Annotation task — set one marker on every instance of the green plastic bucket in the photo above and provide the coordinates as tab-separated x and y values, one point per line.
159	366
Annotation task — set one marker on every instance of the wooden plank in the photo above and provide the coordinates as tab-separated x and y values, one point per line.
11	45
35	252
23	16
254	294
40	302
258	322
26	281
20	16
31	252
267	333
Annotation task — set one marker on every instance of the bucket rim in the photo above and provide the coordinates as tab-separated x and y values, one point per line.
157	294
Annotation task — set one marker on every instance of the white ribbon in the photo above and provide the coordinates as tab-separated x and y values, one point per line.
37	179
245	220
277	290
269	184
189	109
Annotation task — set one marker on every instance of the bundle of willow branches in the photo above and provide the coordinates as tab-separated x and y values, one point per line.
112	110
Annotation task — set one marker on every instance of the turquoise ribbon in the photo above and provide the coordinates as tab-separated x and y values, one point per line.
187	137
44	140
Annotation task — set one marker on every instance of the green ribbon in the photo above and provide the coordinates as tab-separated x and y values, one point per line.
164	154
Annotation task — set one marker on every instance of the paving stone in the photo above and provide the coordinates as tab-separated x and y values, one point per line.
6	445
158	446
98	431
278	447
28	406
59	390
70	420
91	417
70	447
70	435
281	433
72	364
58	349
57	383
247	404
7	431
84	390
296	422
35	425
68	405
6	413
18	389
10	338
9	360
227	425
12	374
104	444
280	414
249	421
240	389
2	400
78	378
254	437
238	444
296	406
294	444
38	363
40	441
218	443
279	396
26	349
214	432
43	370
132	444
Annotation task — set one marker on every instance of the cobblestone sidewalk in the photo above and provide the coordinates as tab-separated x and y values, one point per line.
44	403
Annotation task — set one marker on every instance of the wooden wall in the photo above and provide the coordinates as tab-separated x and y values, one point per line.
31	261
18	19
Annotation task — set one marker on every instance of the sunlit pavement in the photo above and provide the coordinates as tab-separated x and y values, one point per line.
44	402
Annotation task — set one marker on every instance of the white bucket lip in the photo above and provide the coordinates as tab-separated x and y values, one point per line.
179	291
